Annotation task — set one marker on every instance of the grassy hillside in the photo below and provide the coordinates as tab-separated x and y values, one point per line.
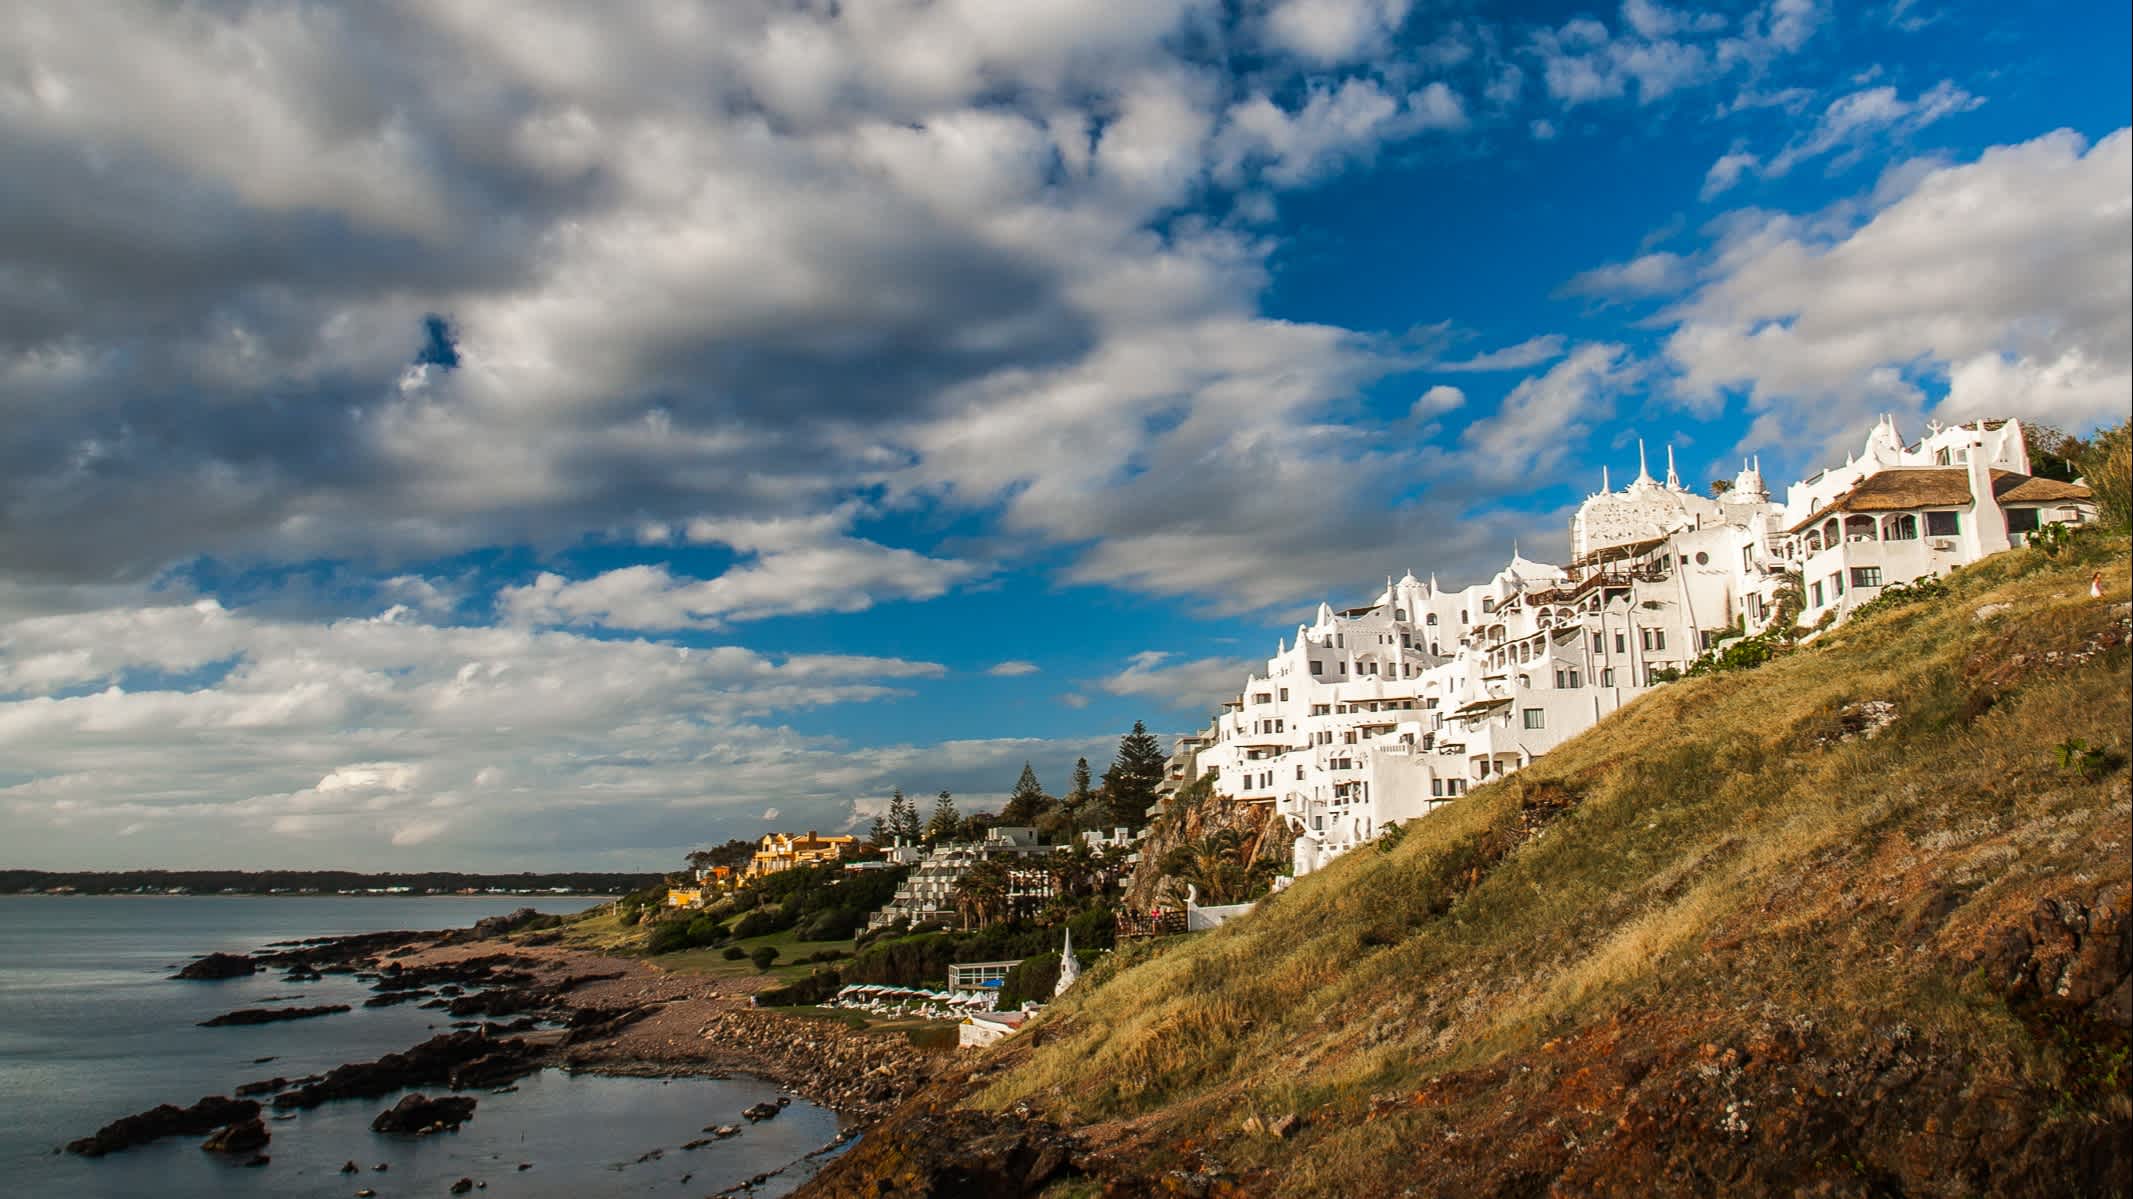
1742	938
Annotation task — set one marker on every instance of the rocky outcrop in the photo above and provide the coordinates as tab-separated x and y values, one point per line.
860	1075
419	1113
271	1015
167	1120
932	1152
435	1062
241	1137
219	966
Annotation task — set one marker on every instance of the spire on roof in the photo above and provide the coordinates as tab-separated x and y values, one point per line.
1672	480
1644	474
1606	487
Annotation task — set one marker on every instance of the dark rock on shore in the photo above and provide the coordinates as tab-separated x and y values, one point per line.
390	998
420	1113
595	1024
219	966
953	1153
167	1120
270	1015
490	927
241	1137
435	1062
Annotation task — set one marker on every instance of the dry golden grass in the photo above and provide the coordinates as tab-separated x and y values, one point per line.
1717	842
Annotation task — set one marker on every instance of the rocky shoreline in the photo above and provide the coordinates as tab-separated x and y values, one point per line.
520	1007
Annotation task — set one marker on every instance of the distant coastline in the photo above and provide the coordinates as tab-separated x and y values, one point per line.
328	883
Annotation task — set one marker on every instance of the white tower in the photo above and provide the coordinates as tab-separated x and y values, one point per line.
1069	966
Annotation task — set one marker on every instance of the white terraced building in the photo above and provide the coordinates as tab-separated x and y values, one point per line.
1383	712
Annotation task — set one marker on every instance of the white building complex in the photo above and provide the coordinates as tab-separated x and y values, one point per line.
1380	713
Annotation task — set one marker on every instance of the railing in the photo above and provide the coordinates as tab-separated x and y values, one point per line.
1164	923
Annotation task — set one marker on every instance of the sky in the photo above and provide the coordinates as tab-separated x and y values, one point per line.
503	436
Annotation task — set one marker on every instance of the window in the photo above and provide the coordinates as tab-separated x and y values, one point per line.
1436	788
1340	641
1607	677
1430	703
1814	594
1560	677
1462	616
1599	643
1621	643
2021	520
1318	668
1399	614
1299	772
1284	695
1430	620
1866	576
1488	605
1836	583
1344	668
1940	457
1654	639
1574	677
1702	559
1900	528
1943	524
1536	718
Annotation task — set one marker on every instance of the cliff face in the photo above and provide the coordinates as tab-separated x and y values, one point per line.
1853	923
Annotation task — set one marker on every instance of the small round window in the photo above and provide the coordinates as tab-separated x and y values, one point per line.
1702	559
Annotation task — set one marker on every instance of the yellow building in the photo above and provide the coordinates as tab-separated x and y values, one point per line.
783	851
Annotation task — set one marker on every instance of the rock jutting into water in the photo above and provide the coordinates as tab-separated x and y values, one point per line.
460	1059
166	1120
241	1137
269	1015
420	1113
219	966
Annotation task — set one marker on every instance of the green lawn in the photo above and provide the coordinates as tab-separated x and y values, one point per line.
712	961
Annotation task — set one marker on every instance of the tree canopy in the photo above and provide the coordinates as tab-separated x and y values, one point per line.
1129	786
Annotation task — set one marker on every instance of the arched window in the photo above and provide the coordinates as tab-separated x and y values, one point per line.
1813	540
1859	528
1430	619
1831	532
1901	527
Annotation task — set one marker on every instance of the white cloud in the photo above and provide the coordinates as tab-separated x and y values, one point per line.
795	566
1660	272
1195	683
1012	669
1331	32
361	741
1727	171
2009	276
1437	401
1546	415
1531	352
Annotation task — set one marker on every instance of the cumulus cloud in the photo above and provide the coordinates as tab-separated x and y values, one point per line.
331	744
791	567
1331	32
1543	417
1192	683
2006	276
1012	669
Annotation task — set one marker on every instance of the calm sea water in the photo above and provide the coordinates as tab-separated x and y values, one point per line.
92	1028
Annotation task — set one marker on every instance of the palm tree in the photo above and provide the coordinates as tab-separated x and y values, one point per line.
1215	866
982	892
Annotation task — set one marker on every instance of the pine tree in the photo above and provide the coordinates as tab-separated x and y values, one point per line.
1129	786
879	835
1027	802
1077	800
942	826
903	817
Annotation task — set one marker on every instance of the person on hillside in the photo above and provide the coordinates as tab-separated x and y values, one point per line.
2096	585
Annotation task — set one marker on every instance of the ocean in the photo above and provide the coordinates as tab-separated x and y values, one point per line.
92	1028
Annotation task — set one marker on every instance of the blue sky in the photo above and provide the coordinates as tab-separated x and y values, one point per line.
444	435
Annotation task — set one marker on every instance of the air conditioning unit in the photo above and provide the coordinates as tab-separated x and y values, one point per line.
1941	543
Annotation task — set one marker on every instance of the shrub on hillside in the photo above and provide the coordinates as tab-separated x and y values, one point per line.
763	956
2106	463
733	953
759	923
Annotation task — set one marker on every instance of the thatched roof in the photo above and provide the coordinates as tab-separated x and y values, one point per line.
1908	488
